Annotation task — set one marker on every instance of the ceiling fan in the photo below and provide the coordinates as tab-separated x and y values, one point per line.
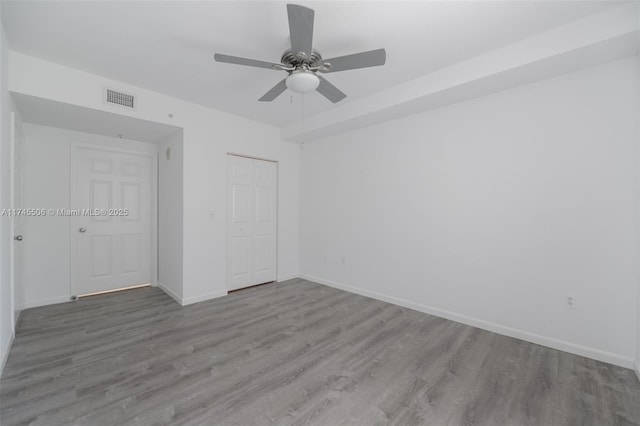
303	63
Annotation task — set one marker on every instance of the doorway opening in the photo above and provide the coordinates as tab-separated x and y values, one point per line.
102	180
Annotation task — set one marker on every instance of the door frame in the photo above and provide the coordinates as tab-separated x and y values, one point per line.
15	134
228	217
73	157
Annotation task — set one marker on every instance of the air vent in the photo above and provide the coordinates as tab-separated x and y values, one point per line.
124	100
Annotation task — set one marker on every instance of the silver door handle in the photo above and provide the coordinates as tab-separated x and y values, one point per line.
18	238
82	230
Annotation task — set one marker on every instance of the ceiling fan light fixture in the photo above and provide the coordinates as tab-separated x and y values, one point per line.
302	81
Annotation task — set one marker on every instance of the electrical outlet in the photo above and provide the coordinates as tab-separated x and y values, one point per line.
325	258
343	260
570	302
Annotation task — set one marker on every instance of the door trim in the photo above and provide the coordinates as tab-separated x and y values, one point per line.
14	134
73	149
227	218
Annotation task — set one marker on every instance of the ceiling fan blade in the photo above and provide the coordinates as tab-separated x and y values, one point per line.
245	61
300	28
330	91
274	92
372	58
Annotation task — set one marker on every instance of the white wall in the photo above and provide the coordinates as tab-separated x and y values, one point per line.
208	136
47	186
491	211
170	198
637	363
6	327
10	297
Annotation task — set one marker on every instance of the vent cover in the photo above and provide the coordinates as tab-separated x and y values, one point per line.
124	100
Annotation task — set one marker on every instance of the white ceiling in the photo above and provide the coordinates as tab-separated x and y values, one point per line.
168	46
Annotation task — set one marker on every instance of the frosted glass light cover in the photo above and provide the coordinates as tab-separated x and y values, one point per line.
302	82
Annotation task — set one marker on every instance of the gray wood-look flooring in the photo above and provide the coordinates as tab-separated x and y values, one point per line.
289	354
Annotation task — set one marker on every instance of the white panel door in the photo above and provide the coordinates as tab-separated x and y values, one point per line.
264	221
17	221
111	236
252	189
240	259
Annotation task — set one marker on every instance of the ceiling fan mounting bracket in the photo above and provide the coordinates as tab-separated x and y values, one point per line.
283	67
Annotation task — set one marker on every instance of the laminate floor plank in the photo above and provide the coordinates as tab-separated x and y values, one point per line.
293	353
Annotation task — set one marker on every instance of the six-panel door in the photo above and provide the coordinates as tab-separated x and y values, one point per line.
252	221
112	232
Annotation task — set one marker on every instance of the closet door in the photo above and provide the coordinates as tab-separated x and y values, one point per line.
251	247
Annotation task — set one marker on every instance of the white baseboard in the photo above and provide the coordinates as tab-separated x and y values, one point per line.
203	297
17	321
184	301
43	302
169	292
551	342
288	277
5	355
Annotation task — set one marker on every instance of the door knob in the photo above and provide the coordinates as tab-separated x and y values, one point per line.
18	238
83	230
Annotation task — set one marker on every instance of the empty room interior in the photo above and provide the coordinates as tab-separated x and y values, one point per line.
320	213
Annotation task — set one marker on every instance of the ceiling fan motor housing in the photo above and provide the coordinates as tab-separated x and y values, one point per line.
299	59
